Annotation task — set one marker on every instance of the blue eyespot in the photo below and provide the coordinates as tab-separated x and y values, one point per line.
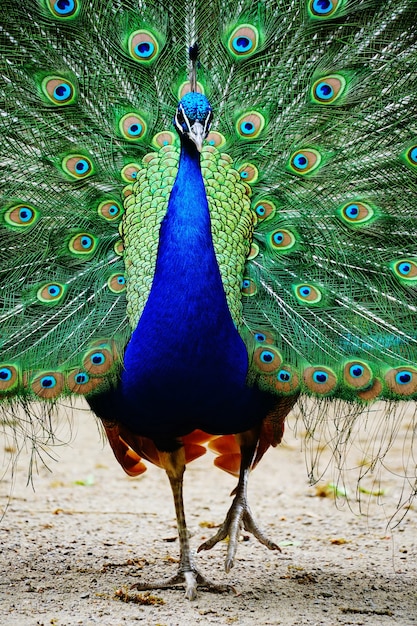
48	382
247	128
404	268
403	378
322	7
242	44
267	356
244	174
86	242
300	161
62	92
324	91
97	358
113	209
260	210
356	371
5	374
320	377
245	283
144	49
284	376
135	129
121	280
260	337
82	166
82	378
64	7
278	237
305	291
26	214
352	211
54	290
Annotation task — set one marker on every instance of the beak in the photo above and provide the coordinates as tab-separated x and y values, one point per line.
197	135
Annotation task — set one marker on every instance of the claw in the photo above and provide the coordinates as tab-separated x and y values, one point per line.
239	515
190	579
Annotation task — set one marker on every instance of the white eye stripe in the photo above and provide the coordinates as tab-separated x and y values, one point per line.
181	119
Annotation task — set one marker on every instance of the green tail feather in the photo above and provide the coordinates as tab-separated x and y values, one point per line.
316	108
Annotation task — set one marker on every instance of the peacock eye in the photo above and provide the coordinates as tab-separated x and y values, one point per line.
324	8
243	41
77	165
83	244
143	46
64	8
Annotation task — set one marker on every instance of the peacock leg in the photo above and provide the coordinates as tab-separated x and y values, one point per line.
187	574
239	515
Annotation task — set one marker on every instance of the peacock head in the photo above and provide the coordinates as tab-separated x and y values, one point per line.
193	118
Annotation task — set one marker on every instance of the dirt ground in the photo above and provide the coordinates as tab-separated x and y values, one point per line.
71	547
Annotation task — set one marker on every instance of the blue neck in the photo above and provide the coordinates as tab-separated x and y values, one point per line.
185	366
186	259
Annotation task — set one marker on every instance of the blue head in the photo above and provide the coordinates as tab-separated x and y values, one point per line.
193	118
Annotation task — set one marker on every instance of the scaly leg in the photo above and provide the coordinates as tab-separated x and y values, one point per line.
174	464
239	513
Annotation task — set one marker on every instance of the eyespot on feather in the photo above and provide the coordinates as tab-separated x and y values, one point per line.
129	172
320	380
307	293
264	209
48	385
98	361
63	9
319	9
356	213
215	139
328	89
249	173
9	377
248	287
243	41
405	270
78	165
304	162
51	293
357	375
264	336
143	46
83	244
80	382
117	283
281	240
402	381
250	125
132	127
110	210
286	380
21	216
165	138
267	359
58	90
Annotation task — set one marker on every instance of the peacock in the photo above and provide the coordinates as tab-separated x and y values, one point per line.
207	213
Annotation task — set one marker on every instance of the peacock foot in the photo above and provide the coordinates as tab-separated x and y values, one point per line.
238	516
191	579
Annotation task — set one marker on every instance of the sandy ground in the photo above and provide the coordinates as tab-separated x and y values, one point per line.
87	531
